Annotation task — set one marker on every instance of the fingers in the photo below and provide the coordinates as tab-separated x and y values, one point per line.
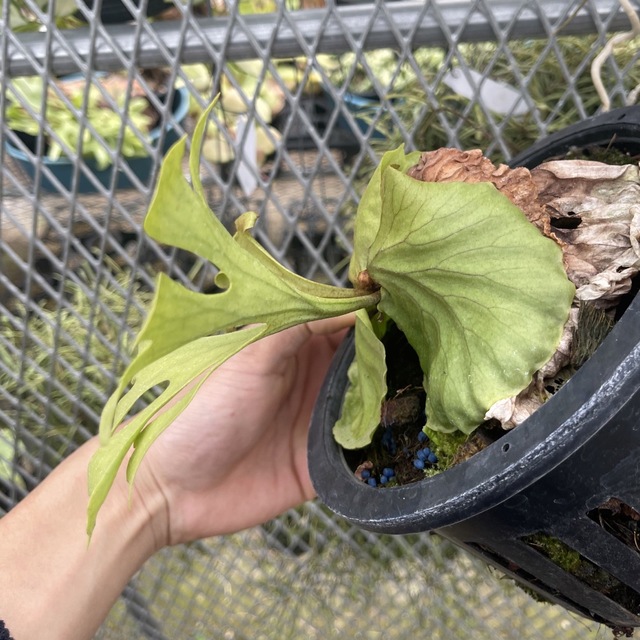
332	325
332	330
271	353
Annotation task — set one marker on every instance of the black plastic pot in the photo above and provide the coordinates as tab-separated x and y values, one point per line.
548	476
619	129
115	12
319	109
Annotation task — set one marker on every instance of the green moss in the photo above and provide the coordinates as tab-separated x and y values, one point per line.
557	551
609	156
583	569
445	445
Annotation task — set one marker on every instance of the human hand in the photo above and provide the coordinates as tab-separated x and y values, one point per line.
237	456
234	458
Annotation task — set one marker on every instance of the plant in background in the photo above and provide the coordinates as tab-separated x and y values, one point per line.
48	374
480	293
246	88
430	118
247	91
10	448
387	69
23	18
63	116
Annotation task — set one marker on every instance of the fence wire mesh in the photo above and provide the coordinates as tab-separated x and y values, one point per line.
311	92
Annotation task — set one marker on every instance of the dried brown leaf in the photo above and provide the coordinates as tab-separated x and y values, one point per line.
513	411
453	165
595	212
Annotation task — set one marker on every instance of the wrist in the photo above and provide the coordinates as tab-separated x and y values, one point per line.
143	505
46	576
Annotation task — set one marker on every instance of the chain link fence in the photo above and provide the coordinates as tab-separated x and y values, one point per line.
311	92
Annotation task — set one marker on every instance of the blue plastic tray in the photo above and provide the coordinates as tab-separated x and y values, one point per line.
63	168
